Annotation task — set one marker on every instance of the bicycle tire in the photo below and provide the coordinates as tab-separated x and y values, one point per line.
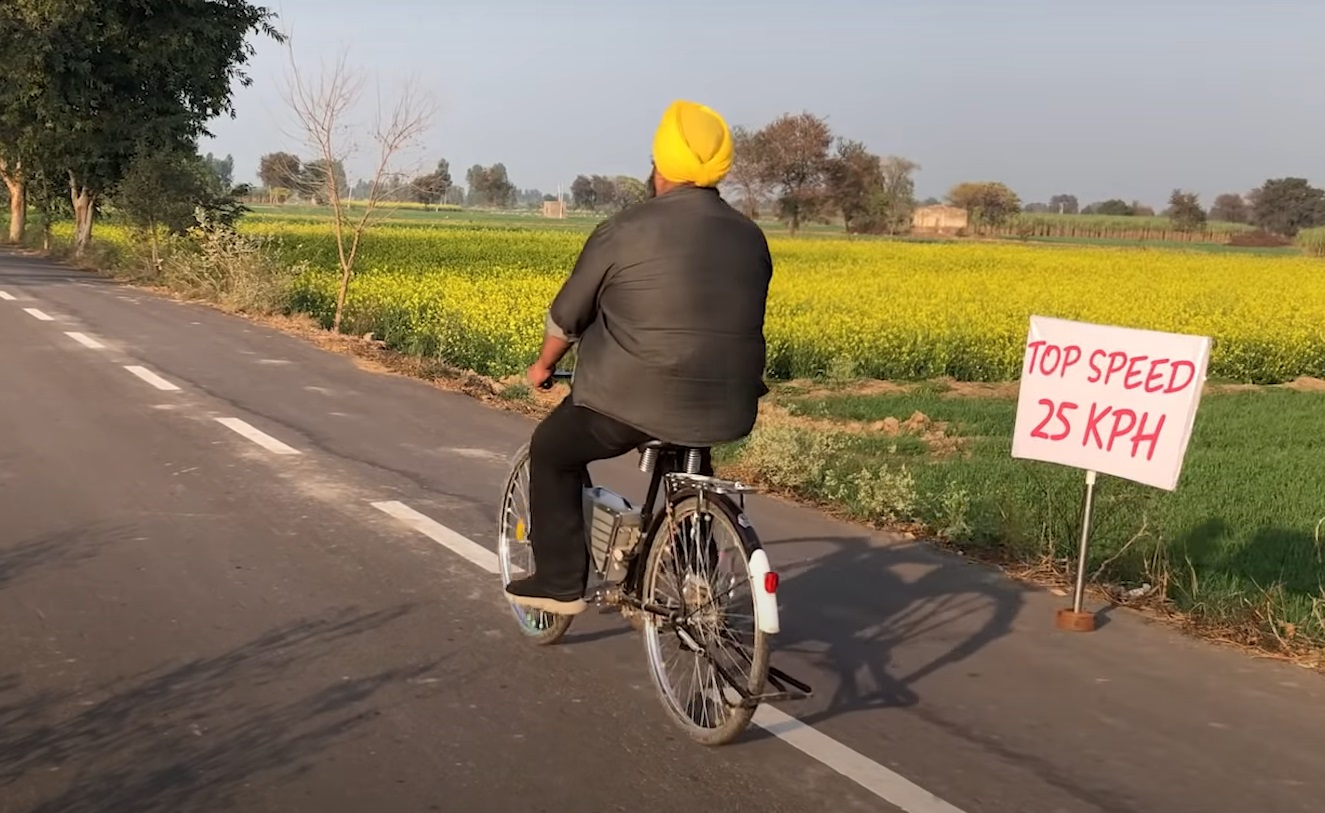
538	626
723	510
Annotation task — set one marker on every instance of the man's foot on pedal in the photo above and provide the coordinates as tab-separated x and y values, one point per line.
527	593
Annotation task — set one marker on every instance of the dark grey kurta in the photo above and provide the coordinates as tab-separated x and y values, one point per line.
666	302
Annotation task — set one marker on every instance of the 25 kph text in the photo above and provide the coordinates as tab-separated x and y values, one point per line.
1105	425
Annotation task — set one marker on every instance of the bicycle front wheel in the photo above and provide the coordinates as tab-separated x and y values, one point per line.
699	563
515	553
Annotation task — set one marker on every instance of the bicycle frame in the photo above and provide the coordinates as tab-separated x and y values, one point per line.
668	476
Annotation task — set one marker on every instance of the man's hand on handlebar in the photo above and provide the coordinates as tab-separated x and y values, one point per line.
544	377
539	376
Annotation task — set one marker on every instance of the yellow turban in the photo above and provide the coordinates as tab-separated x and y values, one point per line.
692	145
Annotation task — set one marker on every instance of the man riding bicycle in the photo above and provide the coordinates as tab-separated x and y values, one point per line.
666	304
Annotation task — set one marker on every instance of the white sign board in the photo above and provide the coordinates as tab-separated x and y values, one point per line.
1108	399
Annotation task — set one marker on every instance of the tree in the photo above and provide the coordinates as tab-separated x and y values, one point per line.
489	186
852	176
748	172
1230	207
1185	211
223	168
1287	205
279	171
894	201
604	191
163	190
20	125
988	203
795	157
432	188
1064	204
582	193
530	198
322	109
110	79
1112	207
320	178
629	191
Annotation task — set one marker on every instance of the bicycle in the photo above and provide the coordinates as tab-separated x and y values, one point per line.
627	548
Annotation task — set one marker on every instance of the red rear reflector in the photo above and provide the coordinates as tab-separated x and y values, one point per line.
770	582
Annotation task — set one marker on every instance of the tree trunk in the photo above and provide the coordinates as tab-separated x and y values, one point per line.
82	198
18	209
18	202
341	296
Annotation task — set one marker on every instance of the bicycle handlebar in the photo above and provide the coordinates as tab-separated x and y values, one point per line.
557	375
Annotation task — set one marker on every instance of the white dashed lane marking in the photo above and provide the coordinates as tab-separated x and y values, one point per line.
6	296
39	315
84	339
259	437
442	535
151	378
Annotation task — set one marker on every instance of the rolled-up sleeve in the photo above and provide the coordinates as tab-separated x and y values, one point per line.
576	304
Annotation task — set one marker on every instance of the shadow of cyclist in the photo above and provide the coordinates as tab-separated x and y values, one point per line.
882	617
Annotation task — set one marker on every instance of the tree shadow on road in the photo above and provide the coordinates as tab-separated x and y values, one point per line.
852	611
191	736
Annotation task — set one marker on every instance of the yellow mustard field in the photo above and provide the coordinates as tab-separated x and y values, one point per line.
475	296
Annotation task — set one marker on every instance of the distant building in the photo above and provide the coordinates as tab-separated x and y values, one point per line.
938	219
554	208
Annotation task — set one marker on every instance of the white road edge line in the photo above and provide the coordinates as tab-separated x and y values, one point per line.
259	437
39	315
7	296
442	535
889	786
151	378
84	339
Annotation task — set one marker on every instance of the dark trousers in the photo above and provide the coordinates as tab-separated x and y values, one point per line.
562	447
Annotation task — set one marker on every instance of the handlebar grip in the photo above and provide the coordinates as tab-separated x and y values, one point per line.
557	375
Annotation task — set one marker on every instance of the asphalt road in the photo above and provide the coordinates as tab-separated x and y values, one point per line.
199	614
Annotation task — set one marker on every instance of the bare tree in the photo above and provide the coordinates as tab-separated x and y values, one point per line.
795	157
324	109
747	170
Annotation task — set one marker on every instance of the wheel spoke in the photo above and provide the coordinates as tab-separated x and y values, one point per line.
516	554
702	556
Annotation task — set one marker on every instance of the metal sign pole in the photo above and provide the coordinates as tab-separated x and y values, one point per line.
1076	619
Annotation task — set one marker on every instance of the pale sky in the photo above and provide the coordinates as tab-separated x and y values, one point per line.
1125	99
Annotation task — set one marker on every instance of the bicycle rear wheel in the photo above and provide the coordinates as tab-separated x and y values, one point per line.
700	561
515	554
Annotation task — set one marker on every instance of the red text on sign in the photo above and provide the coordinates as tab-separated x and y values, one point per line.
1105	426
1051	414
1124	421
1053	359
1141	371
1153	375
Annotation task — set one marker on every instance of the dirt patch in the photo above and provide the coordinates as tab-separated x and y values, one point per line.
1306	384
936	435
1259	239
1007	390
809	388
